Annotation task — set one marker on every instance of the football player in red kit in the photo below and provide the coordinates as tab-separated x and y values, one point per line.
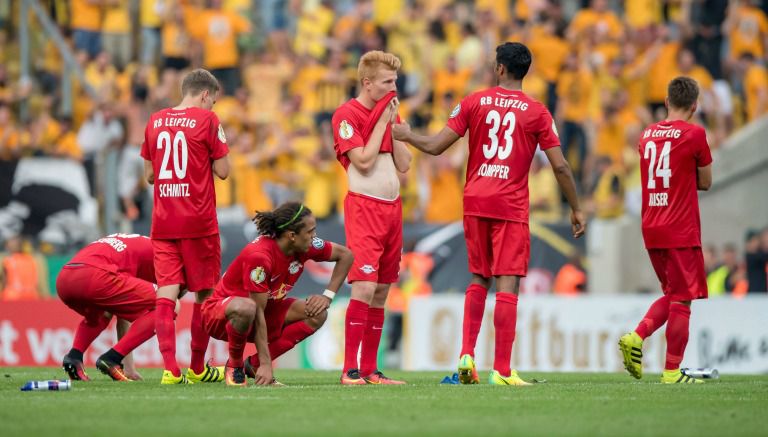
373	218
505	127
250	302
183	148
675	162
111	276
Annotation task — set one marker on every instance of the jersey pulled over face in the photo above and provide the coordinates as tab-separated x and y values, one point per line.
670	153
261	267
120	253
505	127
182	145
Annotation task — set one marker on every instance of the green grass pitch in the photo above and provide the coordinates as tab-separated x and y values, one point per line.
315	404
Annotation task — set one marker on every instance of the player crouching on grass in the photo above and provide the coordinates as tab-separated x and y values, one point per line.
249	302
675	162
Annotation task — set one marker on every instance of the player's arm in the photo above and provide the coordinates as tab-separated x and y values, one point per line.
363	158
567	184
434	144
343	258
264	372
149	172
402	156
704	177
221	167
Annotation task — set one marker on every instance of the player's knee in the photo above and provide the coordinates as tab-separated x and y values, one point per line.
242	309
318	320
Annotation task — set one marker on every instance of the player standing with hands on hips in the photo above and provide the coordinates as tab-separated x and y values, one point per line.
505	126
373	218
183	148
675	162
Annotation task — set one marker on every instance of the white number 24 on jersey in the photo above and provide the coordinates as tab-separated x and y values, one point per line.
661	168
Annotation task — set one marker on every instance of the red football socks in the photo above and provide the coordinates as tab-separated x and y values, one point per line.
354	328
141	330
371	339
504	321
166	333
655	317
88	331
677	334
290	337
199	342
474	309
236	341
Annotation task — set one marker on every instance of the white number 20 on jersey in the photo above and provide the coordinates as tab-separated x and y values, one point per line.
179	156
661	168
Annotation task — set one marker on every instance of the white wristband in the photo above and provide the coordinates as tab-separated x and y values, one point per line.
329	294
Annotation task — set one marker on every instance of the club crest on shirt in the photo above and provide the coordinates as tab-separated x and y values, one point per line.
455	111
257	275
222	137
554	129
345	130
318	243
294	267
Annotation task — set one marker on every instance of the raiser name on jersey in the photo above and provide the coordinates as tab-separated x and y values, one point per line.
501	102
658	199
173	190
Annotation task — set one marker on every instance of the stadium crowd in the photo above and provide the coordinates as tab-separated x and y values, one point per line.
601	67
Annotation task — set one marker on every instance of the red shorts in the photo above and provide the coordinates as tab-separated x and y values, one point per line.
194	263
497	247
215	321
681	272
91	291
374	231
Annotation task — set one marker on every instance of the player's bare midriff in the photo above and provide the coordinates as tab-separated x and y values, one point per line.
381	182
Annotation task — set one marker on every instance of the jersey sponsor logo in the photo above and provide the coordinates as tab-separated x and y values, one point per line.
294	267
257	275
345	130
658	199
456	111
367	269
554	129
220	134
318	243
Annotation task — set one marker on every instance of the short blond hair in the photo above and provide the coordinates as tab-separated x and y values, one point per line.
373	61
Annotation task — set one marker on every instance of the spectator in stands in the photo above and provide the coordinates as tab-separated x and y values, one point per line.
571	279
574	90
754	86
543	191
757	260
176	40
23	275
151	13
99	131
747	29
608	192
116	31
722	279
85	16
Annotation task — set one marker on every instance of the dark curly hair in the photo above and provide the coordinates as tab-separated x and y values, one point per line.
286	217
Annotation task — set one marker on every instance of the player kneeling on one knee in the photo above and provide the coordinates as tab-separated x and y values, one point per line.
250	303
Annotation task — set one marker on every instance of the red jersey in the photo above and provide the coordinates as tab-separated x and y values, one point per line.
120	253
670	153
261	267
182	144
505	127
352	125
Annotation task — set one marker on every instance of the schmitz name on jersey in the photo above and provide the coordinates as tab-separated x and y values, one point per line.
658	199
494	171
173	190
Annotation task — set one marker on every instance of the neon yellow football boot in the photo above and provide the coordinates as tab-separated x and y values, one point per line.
169	379
496	378
631	347
678	377
467	370
209	374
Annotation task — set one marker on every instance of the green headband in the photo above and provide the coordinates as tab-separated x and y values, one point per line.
293	219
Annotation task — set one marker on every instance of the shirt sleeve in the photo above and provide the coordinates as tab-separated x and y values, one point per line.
319	250
217	139
256	273
458	120
346	134
703	155
546	131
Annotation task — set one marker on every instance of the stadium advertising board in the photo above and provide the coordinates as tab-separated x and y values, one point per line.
581	334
